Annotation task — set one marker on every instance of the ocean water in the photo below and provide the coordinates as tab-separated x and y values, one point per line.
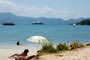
9	35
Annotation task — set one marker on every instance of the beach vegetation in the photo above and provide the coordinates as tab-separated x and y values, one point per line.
62	47
76	44
81	45
47	49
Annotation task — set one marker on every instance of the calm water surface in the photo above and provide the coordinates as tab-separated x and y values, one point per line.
9	35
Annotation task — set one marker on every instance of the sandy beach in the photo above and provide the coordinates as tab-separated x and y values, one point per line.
79	54
5	53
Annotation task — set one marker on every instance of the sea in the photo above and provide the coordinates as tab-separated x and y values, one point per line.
56	34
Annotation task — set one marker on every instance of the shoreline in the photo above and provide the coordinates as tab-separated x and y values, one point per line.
77	54
80	53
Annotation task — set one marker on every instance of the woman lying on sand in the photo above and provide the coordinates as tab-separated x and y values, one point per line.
22	56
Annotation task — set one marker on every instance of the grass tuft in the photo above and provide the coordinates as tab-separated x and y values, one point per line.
48	49
62	47
76	44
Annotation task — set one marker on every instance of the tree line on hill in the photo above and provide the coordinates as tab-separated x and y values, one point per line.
84	22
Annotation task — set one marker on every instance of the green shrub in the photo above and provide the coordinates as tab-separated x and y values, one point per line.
62	47
48	49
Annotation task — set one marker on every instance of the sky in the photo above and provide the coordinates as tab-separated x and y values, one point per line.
47	8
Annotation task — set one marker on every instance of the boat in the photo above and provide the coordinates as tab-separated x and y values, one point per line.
74	24
37	23
8	24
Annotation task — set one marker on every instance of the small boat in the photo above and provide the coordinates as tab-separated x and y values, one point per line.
74	24
8	24
37	23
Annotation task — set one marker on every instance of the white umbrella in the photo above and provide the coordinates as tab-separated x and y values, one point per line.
38	39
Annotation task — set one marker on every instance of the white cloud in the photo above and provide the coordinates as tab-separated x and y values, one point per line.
8	6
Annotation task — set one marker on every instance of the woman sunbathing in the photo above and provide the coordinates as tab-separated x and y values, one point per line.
22	56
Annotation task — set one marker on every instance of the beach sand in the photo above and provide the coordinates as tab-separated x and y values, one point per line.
5	53
79	54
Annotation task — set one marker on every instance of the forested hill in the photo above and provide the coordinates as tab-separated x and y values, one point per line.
84	22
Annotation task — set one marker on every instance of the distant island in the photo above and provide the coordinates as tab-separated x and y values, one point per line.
10	17
8	24
84	22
